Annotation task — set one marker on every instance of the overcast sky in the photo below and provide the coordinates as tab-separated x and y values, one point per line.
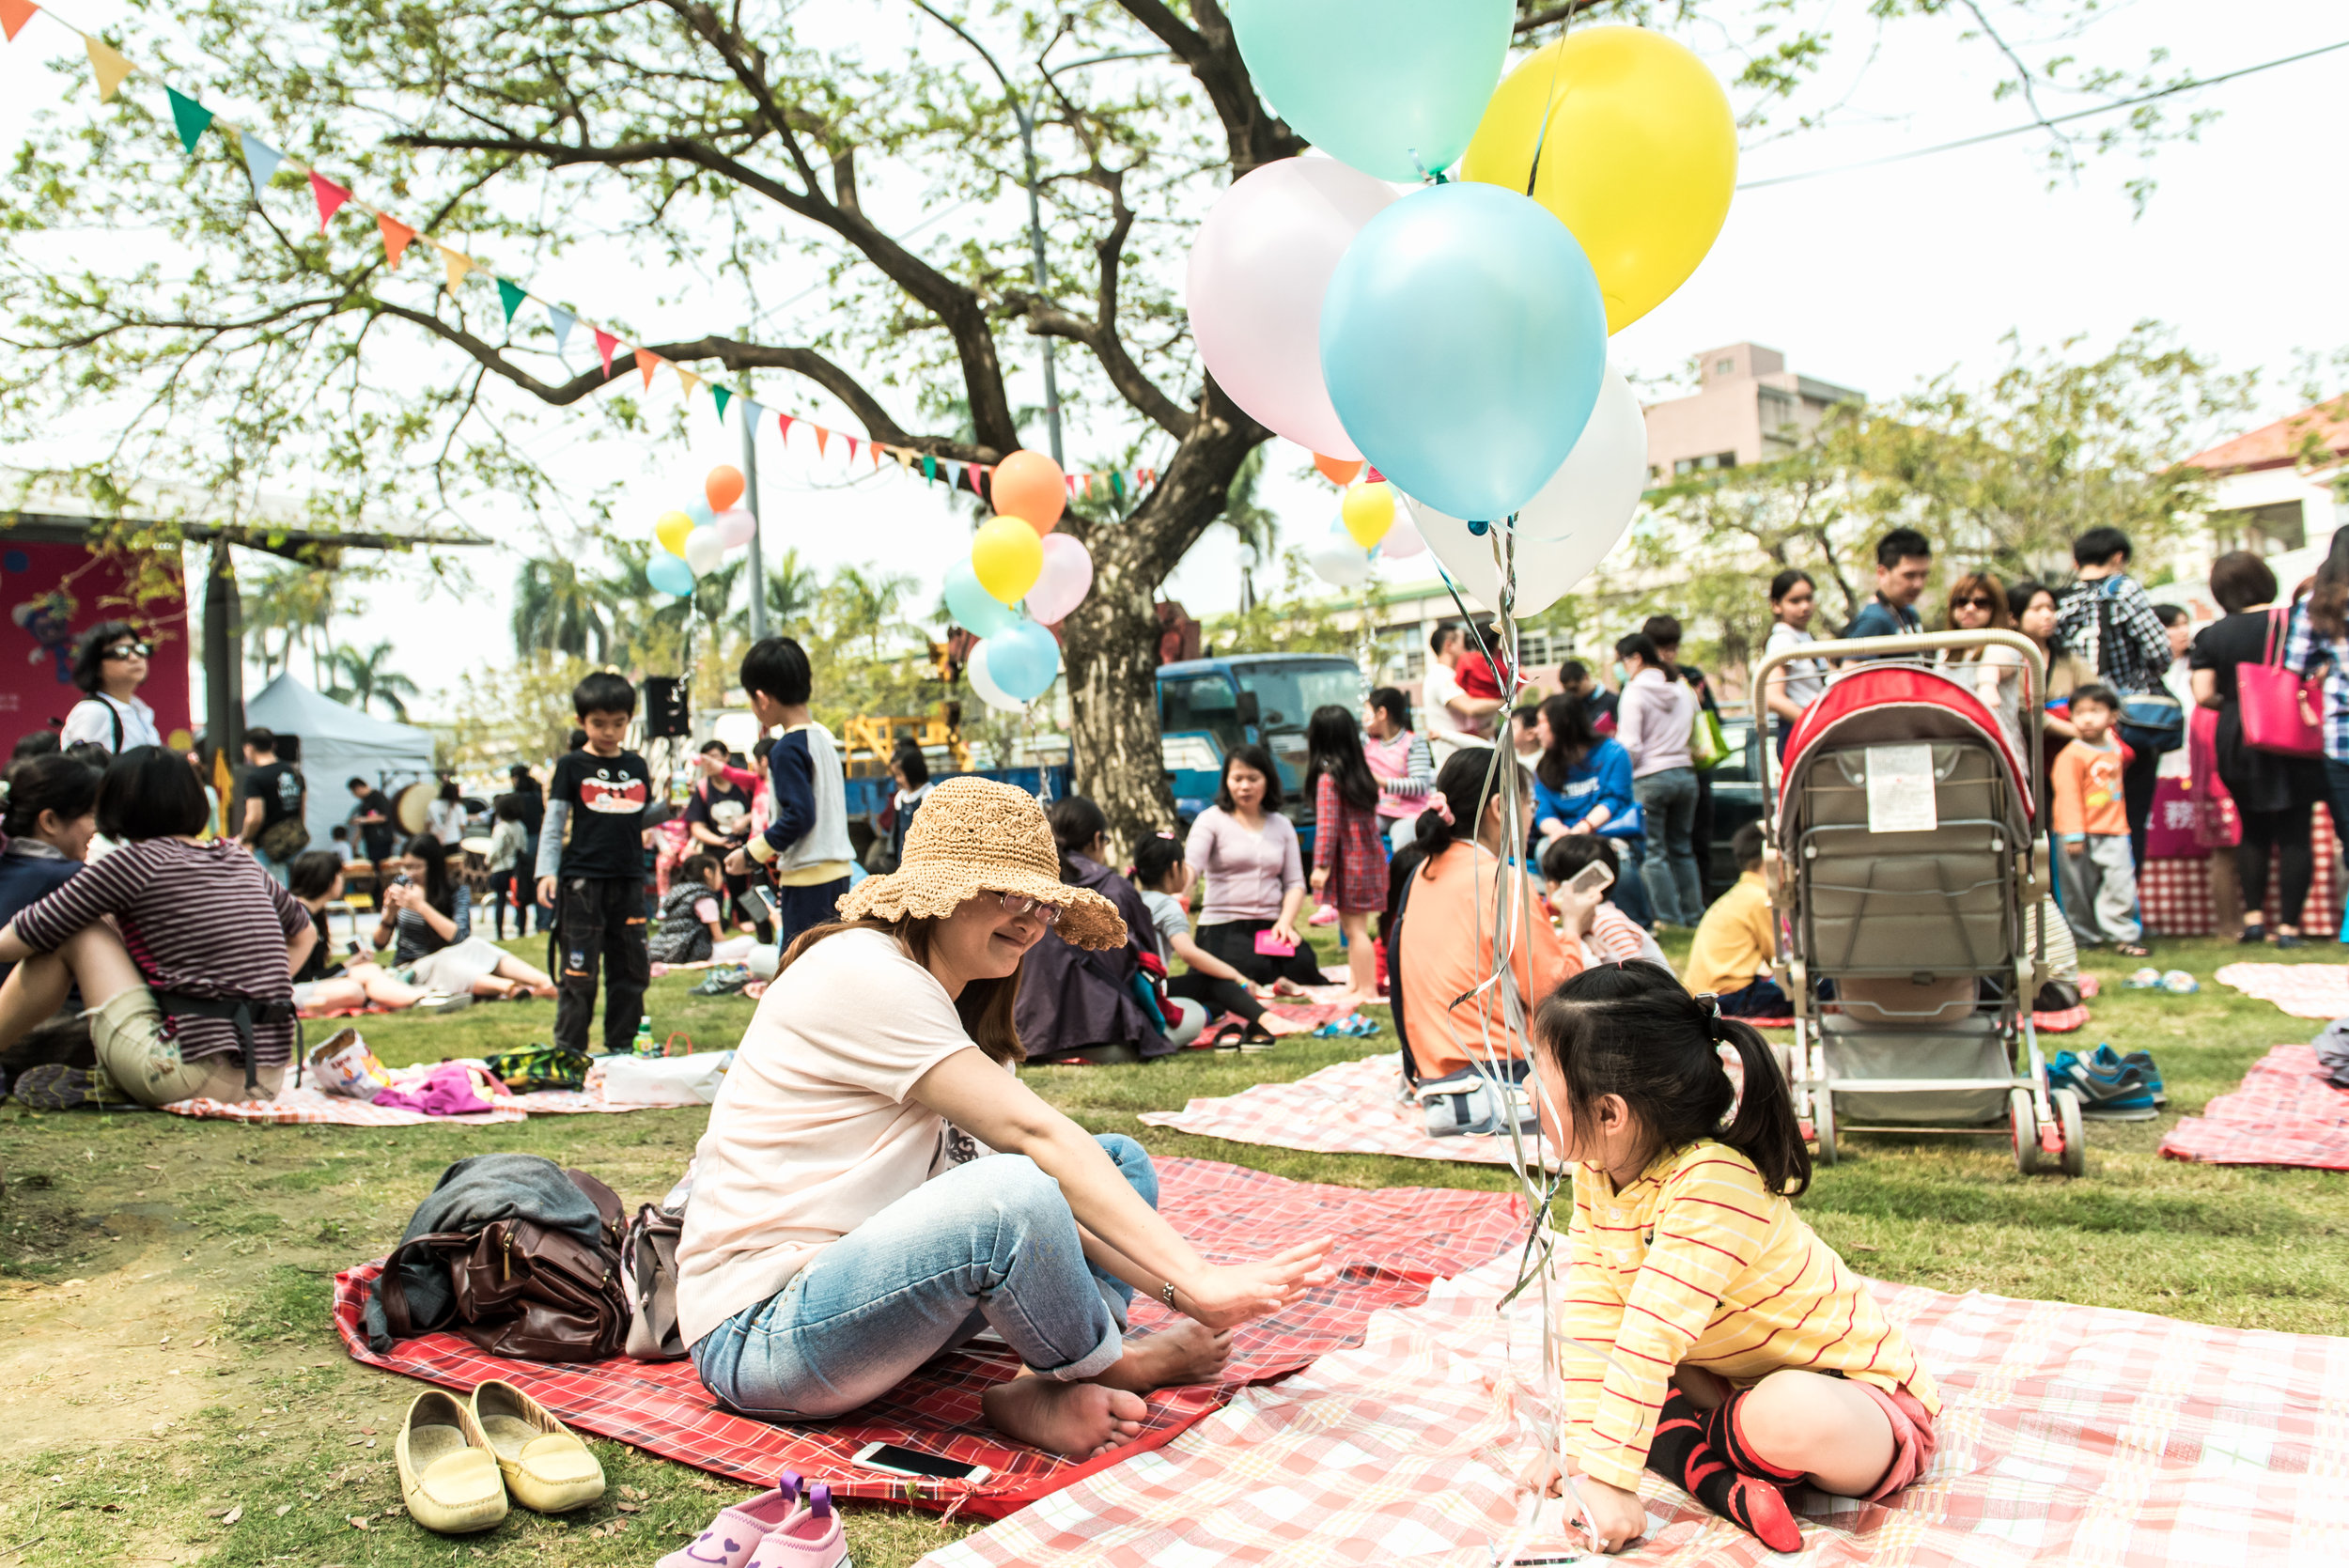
1873	279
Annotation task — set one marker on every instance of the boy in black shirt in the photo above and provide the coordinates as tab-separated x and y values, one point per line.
600	792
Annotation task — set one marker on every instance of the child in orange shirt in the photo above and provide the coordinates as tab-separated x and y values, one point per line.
2096	872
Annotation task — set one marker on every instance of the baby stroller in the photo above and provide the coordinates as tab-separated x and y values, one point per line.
1904	813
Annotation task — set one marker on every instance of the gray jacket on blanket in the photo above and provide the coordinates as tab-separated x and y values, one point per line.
471	1194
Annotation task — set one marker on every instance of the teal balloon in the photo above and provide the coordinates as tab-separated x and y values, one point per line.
1395	87
1023	658
701	513
670	575
977	611
1464	342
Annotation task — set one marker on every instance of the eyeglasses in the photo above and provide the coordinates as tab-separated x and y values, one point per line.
1978	604
128	650
1021	903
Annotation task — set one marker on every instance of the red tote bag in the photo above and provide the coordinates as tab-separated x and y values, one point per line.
2281	709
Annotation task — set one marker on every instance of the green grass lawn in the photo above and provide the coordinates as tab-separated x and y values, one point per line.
166	1282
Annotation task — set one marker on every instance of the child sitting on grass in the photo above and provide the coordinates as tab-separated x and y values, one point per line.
1608	933
691	929
1707	1333
1162	877
1737	939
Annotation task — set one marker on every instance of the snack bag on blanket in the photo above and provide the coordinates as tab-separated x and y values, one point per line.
342	1065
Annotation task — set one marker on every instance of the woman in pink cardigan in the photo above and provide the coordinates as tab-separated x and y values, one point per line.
1246	852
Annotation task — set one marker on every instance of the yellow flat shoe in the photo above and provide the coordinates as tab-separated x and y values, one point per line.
448	1478
547	1468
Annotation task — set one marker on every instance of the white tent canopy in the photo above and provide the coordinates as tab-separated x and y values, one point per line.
338	743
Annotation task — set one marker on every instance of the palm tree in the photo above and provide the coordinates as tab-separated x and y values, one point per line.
869	599
559	609
793	590
1256	528
295	603
363	677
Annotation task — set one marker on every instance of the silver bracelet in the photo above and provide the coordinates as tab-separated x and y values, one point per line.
1166	1293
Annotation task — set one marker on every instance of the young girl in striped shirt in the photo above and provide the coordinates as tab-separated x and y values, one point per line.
1707	1334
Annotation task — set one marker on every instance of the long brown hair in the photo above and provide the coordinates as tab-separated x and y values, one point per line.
2328	601
1980	583
985	1006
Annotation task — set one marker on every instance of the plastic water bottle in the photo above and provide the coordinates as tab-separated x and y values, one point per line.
644	1044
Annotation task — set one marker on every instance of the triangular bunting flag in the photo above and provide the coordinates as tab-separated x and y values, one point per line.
783	421
562	322
189	117
511	296
929	466
260	160
14	14
647	363
687	381
457	263
605	343
852	449
905	459
1117	483
822	435
752	413
108	66
397	237
879	452
953	475
329	196
720	397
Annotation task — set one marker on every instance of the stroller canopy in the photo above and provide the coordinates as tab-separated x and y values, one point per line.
1888	704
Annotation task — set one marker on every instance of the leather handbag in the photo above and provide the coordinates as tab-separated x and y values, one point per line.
648	1262
2280	709
525	1291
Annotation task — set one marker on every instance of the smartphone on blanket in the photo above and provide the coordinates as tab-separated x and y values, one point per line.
913	1462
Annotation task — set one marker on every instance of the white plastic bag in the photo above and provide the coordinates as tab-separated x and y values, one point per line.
664	1080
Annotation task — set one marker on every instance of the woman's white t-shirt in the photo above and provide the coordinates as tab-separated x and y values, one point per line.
93	719
446	821
1803	679
812	1132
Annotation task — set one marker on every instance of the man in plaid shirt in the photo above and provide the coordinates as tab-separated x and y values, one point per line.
2107	621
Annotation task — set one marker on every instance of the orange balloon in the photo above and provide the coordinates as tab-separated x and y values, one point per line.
723	486
1029	486
1338	471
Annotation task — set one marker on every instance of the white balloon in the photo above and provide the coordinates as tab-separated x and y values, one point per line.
735	527
1403	540
984	684
703	549
1338	560
1545	568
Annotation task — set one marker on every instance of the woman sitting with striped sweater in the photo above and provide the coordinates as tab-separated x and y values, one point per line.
190	990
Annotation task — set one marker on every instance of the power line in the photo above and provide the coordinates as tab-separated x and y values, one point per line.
2041	124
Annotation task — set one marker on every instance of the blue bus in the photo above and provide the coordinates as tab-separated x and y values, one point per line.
1208	706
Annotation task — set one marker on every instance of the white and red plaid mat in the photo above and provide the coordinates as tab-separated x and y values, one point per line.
307	1107
2287	1113
2303	990
2068	1435
1349	1108
1390	1245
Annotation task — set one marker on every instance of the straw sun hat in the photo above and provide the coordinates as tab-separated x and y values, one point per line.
973	836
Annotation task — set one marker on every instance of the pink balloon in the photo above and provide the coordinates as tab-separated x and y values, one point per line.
1259	269
1403	540
1066	578
735	527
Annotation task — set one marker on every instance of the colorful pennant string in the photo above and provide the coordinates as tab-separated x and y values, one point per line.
191	120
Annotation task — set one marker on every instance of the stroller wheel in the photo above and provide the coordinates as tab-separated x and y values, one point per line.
1823	1123
2067	1109
2023	1121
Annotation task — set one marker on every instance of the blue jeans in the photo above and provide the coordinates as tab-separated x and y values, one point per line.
1668	802
1629	892
991	1243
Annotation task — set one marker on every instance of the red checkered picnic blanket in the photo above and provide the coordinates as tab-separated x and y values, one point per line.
2175	897
1349	1108
2287	1113
1390	1245
307	1107
2068	1435
2303	990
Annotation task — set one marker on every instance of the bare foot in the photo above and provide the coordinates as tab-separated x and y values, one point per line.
1275	1024
1288	988
1077	1420
1185	1353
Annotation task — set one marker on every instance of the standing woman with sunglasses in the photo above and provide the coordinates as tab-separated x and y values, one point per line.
1978	603
110	664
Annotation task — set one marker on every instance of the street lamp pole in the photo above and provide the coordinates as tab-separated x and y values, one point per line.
1035	241
750	495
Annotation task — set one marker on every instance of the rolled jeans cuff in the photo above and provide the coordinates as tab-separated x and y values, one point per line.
1093	1363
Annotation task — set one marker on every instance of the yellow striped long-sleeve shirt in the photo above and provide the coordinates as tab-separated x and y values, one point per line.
1696	1262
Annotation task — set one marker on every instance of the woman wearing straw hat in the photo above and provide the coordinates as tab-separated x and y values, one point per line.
845	1227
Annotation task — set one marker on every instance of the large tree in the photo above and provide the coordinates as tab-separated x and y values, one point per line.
713	144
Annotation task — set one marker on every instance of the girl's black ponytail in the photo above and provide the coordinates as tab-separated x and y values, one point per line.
1765	1130
1454	803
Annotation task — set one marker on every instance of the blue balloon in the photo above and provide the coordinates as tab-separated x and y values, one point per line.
701	513
977	611
1395	87
1023	658
1462	340
670	575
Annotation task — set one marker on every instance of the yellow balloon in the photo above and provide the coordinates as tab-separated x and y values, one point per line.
1638	159
671	529
1006	556
1368	511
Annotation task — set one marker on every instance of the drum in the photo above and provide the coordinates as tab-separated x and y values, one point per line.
411	807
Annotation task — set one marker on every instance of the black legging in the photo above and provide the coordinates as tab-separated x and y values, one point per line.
2137	798
1217	996
2286	831
1235	942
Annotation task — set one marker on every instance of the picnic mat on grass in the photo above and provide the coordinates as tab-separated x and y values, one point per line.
2068	1435
307	1107
2303	990
2062	1021
1391	1245
1348	1108
2285	1113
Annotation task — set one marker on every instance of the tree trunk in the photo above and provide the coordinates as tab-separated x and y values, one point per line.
1110	642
